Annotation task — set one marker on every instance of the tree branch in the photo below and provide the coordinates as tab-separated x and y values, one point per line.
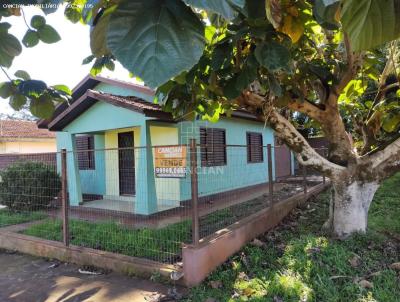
333	126
351	70
385	163
368	138
23	17
6	74
308	108
305	154
389	68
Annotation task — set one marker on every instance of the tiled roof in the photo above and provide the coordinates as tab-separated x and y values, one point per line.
22	129
128	101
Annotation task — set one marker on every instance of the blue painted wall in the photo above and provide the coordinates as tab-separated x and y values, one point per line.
96	120
94	181
103	116
237	172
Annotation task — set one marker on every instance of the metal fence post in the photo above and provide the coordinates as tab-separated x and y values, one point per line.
305	179
323	175
64	198
270	173
194	186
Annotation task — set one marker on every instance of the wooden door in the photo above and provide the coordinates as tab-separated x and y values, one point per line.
126	163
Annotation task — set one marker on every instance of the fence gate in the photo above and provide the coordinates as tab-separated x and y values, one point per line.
283	160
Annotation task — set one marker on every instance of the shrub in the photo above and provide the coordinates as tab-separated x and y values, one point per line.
27	186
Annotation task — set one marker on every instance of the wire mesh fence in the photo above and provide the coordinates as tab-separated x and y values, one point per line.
145	201
30	188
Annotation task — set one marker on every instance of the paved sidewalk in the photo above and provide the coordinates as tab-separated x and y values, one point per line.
25	278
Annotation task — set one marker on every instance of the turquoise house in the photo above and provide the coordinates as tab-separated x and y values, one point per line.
111	130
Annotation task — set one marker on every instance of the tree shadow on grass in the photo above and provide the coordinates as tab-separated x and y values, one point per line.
299	263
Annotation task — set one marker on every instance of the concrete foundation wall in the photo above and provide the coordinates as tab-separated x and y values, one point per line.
83	256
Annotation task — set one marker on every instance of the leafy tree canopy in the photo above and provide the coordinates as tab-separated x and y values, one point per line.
201	54
330	64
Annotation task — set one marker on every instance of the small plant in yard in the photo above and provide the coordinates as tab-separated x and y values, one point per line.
27	186
297	262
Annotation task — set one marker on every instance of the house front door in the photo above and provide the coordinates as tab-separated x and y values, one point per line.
126	163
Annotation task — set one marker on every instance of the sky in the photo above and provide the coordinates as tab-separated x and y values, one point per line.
58	63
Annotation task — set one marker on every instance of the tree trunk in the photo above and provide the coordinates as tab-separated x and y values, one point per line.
351	202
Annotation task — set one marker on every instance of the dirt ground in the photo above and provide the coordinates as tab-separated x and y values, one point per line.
25	278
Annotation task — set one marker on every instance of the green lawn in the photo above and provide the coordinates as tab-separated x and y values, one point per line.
384	215
8	217
162	245
300	263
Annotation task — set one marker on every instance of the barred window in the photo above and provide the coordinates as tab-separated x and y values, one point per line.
254	147
213	147
85	154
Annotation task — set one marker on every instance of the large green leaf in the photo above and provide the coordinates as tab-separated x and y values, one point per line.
38	21
226	8
9	48
73	13
5	89
248	74
17	101
31	38
370	23
4	27
155	39
98	34
221	56
43	107
325	12
48	34
230	88
32	88
88	59
273	56
22	74
63	88
391	122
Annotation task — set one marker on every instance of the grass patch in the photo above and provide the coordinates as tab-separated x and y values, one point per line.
162	245
385	209
8	217
300	263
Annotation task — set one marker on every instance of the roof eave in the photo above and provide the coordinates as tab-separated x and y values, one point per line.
89	99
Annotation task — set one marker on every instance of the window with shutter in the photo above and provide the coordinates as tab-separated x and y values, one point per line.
254	147
85	153
213	147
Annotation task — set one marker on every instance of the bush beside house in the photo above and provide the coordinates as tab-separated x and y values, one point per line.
27	186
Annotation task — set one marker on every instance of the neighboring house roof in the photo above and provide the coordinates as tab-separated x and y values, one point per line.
12	129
